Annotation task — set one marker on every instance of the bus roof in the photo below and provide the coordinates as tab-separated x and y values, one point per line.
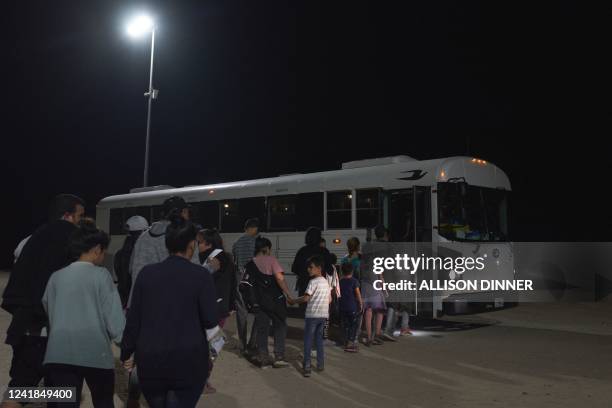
394	172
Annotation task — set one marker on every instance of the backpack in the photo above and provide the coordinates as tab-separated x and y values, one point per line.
122	268
247	290
260	291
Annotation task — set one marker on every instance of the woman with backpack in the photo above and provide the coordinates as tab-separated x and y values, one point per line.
271	293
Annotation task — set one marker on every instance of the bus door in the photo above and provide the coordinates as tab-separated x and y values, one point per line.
423	246
399	214
407	214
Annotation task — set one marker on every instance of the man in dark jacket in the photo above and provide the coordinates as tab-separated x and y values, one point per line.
44	253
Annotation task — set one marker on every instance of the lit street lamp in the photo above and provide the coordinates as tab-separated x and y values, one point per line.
138	27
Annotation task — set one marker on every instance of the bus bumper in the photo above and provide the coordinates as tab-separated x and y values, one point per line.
470	303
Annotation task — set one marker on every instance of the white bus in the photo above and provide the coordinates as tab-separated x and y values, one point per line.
455	199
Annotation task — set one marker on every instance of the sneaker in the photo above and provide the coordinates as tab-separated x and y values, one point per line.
280	363
376	341
209	389
386	337
307	372
320	369
351	348
406	332
262	361
368	343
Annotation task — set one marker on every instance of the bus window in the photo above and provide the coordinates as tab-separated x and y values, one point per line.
471	213
281	210
368	208
254	207
230	216
339	209
205	213
116	226
234	213
309	211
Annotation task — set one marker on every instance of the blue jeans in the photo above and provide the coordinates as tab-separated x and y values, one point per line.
313	330
392	316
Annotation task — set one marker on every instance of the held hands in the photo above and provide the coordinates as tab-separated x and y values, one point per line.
129	364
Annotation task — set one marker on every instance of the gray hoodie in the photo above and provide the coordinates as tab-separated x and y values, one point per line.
151	248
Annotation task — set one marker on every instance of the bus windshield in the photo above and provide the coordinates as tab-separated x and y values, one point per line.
470	213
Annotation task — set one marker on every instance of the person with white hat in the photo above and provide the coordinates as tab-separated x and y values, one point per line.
134	225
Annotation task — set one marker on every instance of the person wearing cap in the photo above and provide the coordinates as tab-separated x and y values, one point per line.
150	246
134	225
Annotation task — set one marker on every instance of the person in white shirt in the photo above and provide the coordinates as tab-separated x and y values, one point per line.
317	296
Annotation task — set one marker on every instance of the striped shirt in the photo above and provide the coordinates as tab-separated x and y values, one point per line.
320	294
243	250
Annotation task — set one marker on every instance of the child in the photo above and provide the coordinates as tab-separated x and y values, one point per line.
351	307
317	296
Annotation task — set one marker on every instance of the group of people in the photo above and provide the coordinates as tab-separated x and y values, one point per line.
175	288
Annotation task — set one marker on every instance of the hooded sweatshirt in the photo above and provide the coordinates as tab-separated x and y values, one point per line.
150	248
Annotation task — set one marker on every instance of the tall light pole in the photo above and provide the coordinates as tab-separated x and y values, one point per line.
137	27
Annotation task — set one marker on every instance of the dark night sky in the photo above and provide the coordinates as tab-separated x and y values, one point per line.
259	88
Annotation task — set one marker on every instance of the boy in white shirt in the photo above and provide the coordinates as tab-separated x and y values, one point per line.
317	297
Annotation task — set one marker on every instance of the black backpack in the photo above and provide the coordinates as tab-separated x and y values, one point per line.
260	291
122	268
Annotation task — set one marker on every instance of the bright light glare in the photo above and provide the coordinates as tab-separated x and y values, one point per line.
140	25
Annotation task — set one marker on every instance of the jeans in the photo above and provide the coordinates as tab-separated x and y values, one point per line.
313	330
262	324
391	320
158	397
349	321
101	383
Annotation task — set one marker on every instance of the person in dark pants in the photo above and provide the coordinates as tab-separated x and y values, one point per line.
351	306
243	250
272	298
210	245
312	248
85	315
173	304
150	248
134	225
44	253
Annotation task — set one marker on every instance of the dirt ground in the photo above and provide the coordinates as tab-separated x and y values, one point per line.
535	355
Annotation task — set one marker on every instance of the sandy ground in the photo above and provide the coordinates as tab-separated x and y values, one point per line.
535	355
